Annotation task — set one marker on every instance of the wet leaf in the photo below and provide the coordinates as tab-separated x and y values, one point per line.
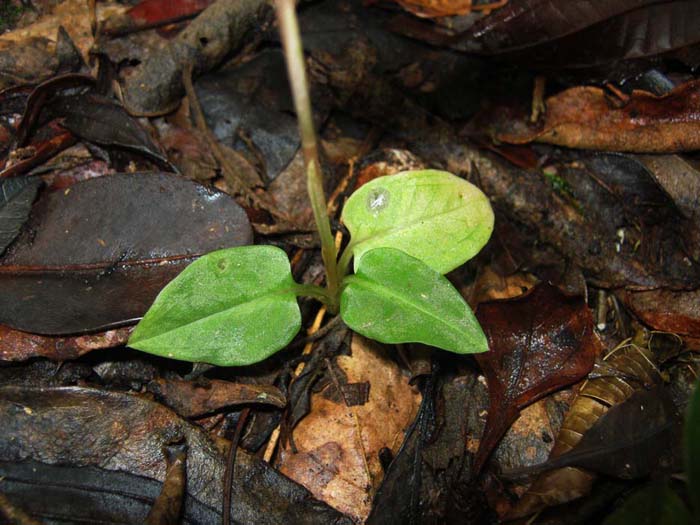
655	504
121	433
692	443
415	211
338	445
20	346
153	13
16	198
229	308
666	310
621	373
102	121
191	399
539	343
525	23
395	298
584	117
97	254
633	439
440	8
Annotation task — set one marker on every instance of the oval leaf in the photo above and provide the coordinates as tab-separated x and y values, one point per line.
396	298
229	308
414	212
95	255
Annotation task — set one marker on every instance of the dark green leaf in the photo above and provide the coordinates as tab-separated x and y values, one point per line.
415	211
396	298
655	504
230	307
692	448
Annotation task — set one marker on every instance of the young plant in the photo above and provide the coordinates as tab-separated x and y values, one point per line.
238	306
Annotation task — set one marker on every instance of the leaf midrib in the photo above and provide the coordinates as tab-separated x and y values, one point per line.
374	286
241	305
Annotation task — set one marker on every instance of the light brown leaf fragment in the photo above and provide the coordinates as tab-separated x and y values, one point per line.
338	445
585	117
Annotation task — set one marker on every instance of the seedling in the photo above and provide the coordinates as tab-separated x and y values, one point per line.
238	306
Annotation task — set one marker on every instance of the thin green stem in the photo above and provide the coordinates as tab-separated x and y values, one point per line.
344	262
296	69
317	292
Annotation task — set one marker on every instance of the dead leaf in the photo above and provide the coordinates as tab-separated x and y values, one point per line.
20	346
538	343
634	439
96	254
439	8
338	445
585	117
666	310
113	431
192	399
624	370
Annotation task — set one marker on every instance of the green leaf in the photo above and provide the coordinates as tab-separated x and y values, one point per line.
432	215
692	448
228	308
654	504
396	298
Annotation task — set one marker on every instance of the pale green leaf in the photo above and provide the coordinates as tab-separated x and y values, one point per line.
230	307
396	298
432	215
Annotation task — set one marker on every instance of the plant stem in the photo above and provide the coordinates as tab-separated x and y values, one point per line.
317	292
296	69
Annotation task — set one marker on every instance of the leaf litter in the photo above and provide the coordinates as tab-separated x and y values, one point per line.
619	232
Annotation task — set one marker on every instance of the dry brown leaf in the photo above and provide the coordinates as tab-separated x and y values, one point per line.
338	446
667	310
438	8
72	15
586	117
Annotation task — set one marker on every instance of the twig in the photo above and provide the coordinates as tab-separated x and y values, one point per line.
231	467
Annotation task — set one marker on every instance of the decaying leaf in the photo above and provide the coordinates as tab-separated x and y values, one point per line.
338	445
538	343
192	399
624	370
97	253
585	117
16	345
83	427
526	23
666	310
16	198
438	8
638	437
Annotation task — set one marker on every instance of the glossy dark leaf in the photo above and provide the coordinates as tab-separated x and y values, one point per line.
643	33
525	23
631	440
97	254
538	343
114	431
104	122
16	198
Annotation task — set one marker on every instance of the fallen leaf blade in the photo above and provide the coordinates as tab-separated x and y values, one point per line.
96	254
16	198
539	342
